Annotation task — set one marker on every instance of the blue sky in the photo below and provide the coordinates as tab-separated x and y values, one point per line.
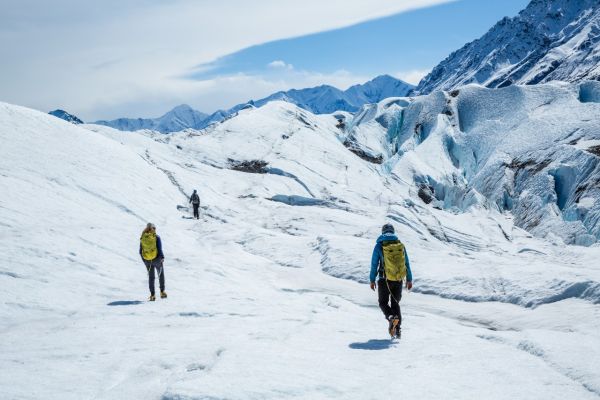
413	41
140	58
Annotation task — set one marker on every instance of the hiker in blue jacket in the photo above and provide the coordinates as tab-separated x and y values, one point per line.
390	262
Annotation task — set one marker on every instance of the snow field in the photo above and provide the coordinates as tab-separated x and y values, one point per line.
255	307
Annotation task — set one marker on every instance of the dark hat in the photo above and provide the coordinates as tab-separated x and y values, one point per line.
387	228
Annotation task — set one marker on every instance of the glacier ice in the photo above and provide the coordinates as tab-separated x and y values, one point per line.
527	150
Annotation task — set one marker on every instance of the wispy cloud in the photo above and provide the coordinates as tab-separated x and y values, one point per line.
413	76
221	92
106	64
279	64
63	54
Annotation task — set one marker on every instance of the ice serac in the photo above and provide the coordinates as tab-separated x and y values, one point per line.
179	118
532	151
548	40
366	132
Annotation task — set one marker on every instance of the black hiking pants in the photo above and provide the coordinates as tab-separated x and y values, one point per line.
389	298
151	266
196	215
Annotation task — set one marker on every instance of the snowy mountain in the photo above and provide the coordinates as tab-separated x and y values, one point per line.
327	99
548	40
268	290
380	88
323	99
179	118
66	116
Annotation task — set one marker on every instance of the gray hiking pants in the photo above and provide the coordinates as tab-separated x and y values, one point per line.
151	267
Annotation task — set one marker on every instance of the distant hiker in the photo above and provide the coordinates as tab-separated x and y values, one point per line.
152	255
195	200
390	262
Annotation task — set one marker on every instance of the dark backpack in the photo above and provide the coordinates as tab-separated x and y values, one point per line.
195	199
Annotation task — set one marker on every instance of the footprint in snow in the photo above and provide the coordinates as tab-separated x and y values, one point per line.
196	367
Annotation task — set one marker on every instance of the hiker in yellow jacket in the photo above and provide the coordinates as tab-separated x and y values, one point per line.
152	255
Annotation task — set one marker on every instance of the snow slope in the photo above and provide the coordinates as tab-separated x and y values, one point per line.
549	40
256	308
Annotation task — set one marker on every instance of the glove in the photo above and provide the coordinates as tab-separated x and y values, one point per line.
409	285
373	285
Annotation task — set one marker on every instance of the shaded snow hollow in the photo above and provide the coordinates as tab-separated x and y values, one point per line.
255	307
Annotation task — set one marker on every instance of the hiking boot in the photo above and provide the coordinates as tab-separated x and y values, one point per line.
163	295
398	331
152	297
394	324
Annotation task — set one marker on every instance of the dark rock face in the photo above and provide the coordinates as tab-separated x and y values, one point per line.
353	147
250	166
426	193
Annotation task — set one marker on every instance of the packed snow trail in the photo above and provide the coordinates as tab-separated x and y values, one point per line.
261	331
254	307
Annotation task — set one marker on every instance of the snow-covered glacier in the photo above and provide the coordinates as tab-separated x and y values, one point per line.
267	292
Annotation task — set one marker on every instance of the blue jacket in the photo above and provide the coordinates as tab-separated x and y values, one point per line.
158	247
377	258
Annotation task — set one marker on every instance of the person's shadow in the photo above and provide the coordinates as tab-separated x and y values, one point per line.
125	303
373	344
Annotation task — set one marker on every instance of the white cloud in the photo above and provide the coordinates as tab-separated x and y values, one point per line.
225	92
218	93
413	76
92	56
279	64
